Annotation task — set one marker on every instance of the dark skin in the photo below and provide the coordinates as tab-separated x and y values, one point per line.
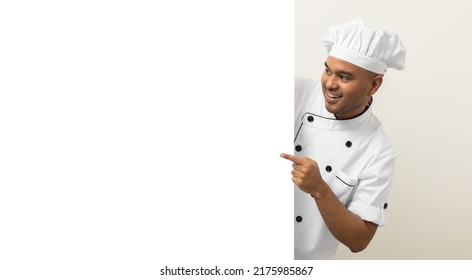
347	89
352	86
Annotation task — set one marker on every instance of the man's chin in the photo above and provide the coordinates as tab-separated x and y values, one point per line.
330	108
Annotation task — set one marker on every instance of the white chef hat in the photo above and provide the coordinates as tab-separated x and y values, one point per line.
371	49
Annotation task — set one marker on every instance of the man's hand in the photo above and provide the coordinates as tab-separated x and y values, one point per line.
305	174
347	227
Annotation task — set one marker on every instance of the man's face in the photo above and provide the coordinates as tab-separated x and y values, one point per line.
347	88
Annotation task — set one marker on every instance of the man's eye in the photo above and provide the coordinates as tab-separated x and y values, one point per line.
327	71
343	78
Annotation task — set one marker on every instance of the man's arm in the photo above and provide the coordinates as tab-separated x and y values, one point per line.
347	227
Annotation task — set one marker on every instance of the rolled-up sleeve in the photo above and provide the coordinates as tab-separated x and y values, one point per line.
369	200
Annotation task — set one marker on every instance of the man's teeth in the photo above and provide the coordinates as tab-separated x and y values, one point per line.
333	95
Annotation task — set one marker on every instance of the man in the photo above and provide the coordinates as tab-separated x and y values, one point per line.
343	163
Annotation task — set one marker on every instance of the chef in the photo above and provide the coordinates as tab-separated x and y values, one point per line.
343	162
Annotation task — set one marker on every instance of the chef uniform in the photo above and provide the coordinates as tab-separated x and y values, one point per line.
355	157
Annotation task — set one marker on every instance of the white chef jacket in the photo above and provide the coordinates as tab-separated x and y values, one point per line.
356	160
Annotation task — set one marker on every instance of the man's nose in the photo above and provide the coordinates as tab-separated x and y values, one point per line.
331	82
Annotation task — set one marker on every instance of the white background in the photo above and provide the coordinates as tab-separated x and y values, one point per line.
136	135
425	111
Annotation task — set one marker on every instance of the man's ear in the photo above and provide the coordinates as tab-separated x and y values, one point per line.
376	83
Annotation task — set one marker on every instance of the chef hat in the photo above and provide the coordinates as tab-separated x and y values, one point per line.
371	49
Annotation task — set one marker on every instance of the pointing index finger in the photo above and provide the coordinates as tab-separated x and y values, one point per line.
292	158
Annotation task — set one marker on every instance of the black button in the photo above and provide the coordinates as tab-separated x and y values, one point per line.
310	118
298	148
299	219
328	168
385	205
348	144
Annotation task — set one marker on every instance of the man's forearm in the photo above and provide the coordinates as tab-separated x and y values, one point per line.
347	227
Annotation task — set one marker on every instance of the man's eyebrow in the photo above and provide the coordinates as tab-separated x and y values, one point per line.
344	73
340	72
